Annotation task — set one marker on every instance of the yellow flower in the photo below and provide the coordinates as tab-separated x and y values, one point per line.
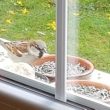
24	11
9	21
11	12
108	15
48	6
109	33
3	30
52	25
19	2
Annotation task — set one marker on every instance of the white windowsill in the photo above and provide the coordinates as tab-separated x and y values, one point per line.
101	77
97	76
21	98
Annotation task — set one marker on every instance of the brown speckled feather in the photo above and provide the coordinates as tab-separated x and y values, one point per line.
17	48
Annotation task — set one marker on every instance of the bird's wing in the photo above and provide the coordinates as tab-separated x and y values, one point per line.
21	46
18	48
12	48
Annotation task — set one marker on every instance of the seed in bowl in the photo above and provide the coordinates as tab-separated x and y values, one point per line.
50	67
90	91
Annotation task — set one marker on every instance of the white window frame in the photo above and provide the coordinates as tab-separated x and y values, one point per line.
61	61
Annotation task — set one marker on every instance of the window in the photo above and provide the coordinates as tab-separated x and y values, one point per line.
27	31
82	44
93	45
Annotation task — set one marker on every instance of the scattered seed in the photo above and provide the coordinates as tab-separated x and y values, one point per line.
90	91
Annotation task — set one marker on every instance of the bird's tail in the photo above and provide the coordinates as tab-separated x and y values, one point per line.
3	41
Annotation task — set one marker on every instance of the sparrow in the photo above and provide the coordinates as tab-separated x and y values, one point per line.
24	51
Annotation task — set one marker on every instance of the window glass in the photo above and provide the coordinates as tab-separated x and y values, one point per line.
27	35
89	46
27	46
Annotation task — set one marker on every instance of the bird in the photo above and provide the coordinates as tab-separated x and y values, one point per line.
24	51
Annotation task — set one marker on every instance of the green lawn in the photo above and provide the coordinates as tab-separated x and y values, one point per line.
95	32
30	25
34	19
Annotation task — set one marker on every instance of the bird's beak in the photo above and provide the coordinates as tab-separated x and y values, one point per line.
45	50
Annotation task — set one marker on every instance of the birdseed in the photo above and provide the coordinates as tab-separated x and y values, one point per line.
90	91
50	68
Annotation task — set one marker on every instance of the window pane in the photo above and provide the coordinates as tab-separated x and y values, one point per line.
27	38
88	66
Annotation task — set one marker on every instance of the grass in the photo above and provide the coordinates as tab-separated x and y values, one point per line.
94	40
94	43
28	26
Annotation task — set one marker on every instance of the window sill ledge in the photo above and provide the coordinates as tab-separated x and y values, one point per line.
22	98
101	77
19	98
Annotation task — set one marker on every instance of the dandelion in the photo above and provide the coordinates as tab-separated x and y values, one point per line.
109	33
108	15
3	30
52	25
24	11
19	2
48	5
11	12
9	21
